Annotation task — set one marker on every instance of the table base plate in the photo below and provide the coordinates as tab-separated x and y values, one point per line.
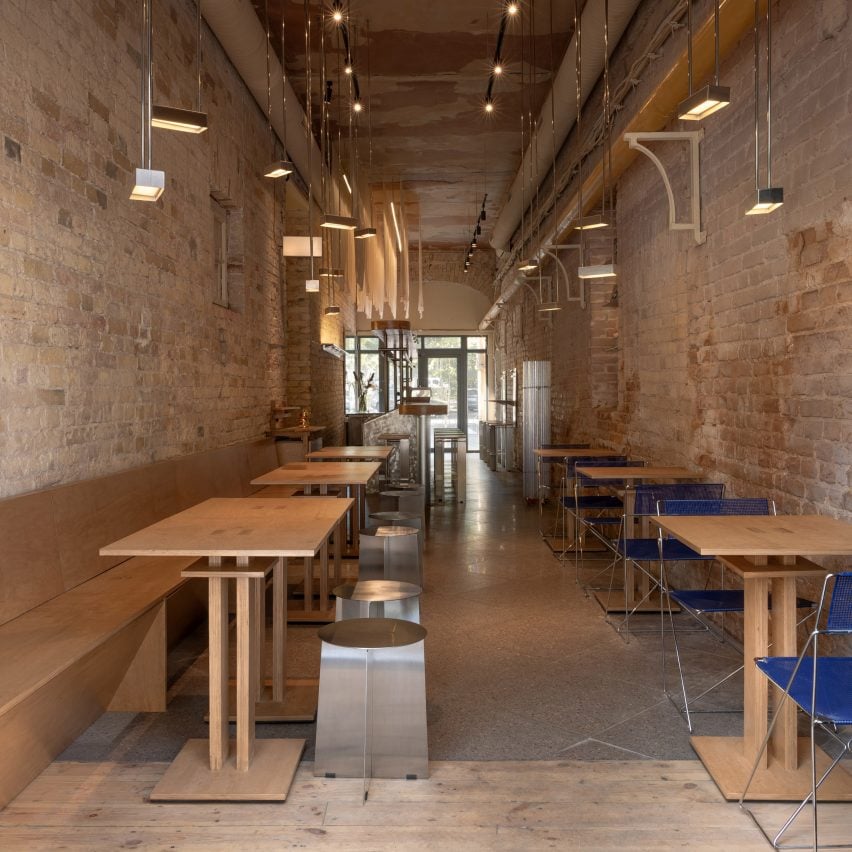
723	758
616	604
268	779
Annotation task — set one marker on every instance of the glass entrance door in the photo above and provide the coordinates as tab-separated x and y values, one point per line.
441	374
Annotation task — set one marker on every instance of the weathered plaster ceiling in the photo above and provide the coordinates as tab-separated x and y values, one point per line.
429	66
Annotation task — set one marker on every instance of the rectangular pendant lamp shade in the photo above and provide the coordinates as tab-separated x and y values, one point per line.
326	272
175	118
528	265
604	270
149	185
590	223
768	199
278	169
365	233
704	102
301	246
340	223
548	307
312	285
332	309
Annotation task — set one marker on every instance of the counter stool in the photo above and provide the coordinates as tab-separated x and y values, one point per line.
371	716
408	499
378	599
398	519
390	553
402	442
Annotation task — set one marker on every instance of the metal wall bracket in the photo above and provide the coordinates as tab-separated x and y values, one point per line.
553	251
693	137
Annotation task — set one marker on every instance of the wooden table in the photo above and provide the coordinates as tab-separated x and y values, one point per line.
631	477
766	551
352	475
424	411
380	453
258	534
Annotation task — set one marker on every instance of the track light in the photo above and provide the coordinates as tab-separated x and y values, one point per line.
337	15
357	106
473	242
512	9
489	105
497	70
347	68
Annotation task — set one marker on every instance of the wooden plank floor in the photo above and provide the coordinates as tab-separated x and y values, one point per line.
463	806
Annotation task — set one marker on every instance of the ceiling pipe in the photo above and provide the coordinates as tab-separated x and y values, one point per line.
565	110
243	38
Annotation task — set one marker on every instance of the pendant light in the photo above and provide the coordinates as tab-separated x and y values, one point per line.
607	270
185	120
150	183
712	97
769	197
530	263
312	283
369	232
278	168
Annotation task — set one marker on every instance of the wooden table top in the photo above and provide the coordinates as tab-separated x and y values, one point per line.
556	453
648	472
239	526
366	453
421	408
327	473
770	535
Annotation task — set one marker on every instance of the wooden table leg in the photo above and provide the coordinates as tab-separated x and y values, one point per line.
358	494
279	629
784	736
339	533
218	638
755	644
246	679
309	583
258	616
323	590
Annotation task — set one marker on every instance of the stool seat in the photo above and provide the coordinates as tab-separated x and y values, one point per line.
377	590
393	518
372	634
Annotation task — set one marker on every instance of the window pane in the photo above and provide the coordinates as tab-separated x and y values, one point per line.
477	397
369	344
370	376
351	401
349	346
476	342
442	342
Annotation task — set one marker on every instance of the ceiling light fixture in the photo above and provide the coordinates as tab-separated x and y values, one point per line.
348	185
396	227
331	310
340	223
602	270
528	265
712	97
512	9
769	198
150	183
312	285
301	246
185	120
497	70
337	14
278	167
357	106
489	106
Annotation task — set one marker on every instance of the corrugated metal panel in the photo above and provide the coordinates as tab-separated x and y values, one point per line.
536	418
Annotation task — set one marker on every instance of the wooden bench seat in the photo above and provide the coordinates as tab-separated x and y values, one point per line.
82	633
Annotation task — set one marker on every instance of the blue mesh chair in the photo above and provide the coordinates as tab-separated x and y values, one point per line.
544	483
567	505
701	603
641	553
821	686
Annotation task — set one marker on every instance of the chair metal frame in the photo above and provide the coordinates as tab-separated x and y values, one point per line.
726	600
646	551
799	679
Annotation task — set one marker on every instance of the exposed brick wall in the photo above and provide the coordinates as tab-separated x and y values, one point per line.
112	353
733	356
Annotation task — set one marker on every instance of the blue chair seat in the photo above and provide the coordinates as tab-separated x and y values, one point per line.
592	501
648	550
720	600
834	684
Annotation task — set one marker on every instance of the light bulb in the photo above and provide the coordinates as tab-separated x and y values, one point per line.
357	107
498	70
512	9
347	69
337	16
489	106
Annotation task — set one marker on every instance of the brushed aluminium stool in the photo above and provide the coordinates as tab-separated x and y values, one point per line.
399	519
390	553
408	499
371	716
378	599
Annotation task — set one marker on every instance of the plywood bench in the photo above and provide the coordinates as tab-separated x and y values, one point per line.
80	633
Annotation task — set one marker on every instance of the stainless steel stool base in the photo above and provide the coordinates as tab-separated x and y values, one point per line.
391	553
371	718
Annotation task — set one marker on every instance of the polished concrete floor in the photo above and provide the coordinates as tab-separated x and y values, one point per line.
521	663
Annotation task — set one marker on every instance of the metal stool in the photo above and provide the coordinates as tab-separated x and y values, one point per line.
371	716
378	599
409	499
390	553
398	519
402	442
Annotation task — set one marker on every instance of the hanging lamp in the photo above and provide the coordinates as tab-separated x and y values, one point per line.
282	167
368	232
176	118
150	183
769	198
312	283
712	97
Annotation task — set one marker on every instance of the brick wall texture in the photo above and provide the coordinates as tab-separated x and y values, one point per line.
733	356
112	352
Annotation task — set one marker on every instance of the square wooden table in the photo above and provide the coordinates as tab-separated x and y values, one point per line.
767	552
380	453
352	475
631	477
254	535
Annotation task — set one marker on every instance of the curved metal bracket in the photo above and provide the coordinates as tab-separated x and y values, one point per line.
552	251
693	137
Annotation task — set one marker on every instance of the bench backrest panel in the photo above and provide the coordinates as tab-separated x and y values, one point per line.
50	539
30	571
